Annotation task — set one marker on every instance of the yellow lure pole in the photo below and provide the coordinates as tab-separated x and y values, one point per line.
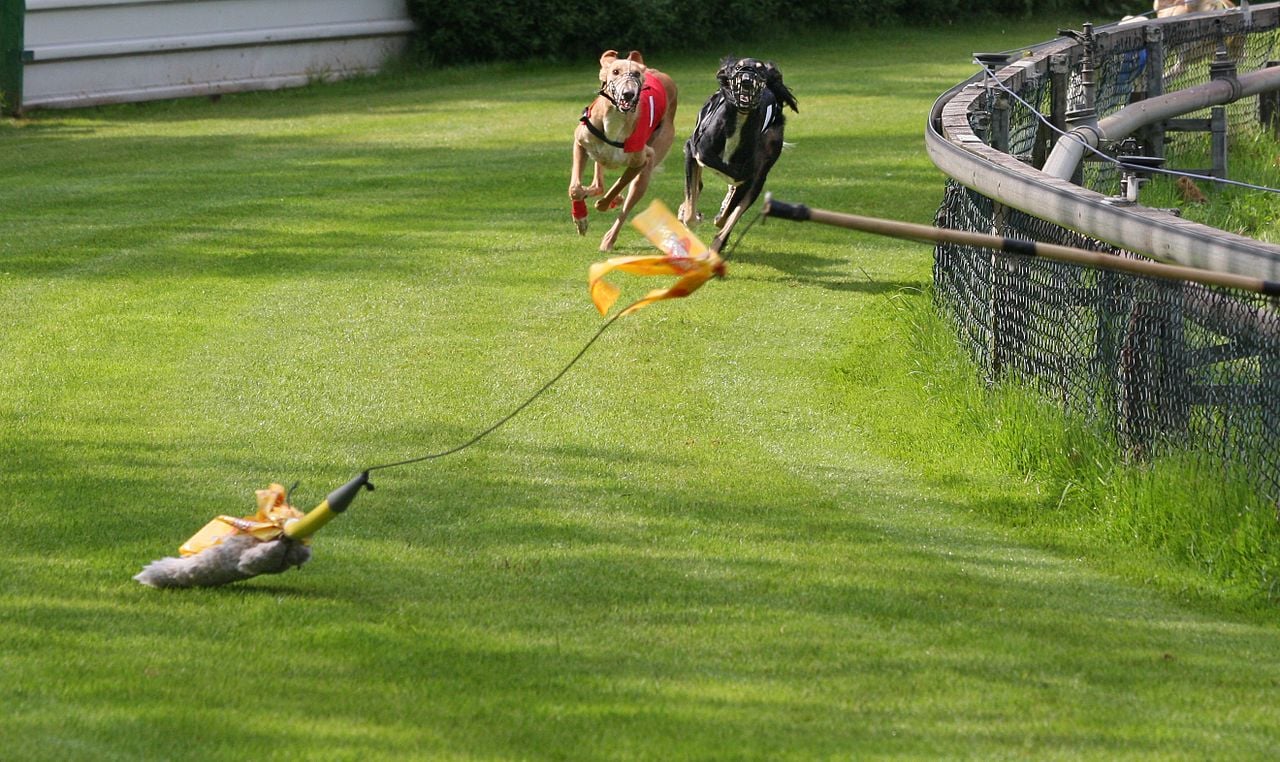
336	502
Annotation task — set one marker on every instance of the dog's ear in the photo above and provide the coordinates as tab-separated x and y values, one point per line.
608	57
726	69
635	57
773	80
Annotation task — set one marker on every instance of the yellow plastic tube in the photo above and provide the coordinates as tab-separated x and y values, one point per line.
331	506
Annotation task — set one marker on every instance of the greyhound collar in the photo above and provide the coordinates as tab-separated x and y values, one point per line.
594	130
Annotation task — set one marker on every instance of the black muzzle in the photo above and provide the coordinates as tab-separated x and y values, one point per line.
743	87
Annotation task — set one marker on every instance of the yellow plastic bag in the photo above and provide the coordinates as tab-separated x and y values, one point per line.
267	524
683	255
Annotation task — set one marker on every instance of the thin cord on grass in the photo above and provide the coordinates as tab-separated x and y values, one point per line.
541	390
747	229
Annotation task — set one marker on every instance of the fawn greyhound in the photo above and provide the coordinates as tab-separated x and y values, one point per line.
630	124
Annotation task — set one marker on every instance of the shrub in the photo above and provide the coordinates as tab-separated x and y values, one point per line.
467	32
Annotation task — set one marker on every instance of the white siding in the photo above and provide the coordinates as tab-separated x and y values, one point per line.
85	52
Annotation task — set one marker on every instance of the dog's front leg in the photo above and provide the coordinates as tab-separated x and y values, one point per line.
576	191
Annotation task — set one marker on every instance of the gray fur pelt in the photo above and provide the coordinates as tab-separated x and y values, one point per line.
237	557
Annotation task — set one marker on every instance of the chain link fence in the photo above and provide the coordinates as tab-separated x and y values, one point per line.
1166	364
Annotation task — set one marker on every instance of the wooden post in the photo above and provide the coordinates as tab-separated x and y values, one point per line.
1155	86
1000	117
1059	84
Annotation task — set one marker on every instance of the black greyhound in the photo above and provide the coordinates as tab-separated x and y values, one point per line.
738	135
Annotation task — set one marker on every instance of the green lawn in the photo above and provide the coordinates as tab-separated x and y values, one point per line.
746	525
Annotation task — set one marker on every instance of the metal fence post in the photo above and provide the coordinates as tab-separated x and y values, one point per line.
1084	110
1269	106
12	27
1222	67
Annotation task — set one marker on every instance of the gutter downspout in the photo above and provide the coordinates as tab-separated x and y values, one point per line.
12	28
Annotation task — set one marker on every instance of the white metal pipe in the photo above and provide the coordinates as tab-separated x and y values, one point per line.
962	155
1070	148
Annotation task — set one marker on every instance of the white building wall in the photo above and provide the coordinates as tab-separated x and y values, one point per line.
86	52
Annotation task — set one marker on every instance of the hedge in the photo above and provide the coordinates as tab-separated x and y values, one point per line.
454	32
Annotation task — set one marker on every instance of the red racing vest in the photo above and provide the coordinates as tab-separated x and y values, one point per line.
652	108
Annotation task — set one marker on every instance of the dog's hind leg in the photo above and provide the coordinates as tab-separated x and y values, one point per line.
731	197
597	181
692	188
737	203
639	185
634	193
742	197
610	198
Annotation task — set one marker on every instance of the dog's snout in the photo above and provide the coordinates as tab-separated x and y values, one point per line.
747	87
626	90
